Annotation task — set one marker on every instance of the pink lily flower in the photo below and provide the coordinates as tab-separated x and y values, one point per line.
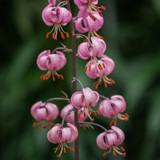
100	69
44	112
85	99
111	140
62	136
52	63
113	107
96	49
56	17
82	116
91	25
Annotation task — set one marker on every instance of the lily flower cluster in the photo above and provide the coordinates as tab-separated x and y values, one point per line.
89	19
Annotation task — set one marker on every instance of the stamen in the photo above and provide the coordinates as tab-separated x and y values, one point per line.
41	77
34	124
103	65
122	149
90	68
114	153
53	35
47	35
67	34
41	128
105	84
105	154
62	35
93	18
85	69
61	77
103	8
113	82
100	37
56	150
97	112
127	115
64	150
54	78
79	115
100	67
115	123
85	40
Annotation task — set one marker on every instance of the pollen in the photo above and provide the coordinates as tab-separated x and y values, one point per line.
103	8
67	34
62	35
47	35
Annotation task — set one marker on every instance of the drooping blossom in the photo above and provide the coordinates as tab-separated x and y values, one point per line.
111	140
85	99
82	116
95	49
44	112
87	7
62	136
100	69
52	63
56	17
88	24
113	107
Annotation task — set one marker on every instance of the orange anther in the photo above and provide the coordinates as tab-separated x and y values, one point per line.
41	77
85	40
105	84
41	128
64	150
114	153
94	83
127	115
103	8
62	35
53	35
67	34
79	115
84	127
90	113
97	9
89	68
56	150
100	37
58	76
62	77
44	77
115	123
113	82
122	149
104	66
105	154
53	78
72	149
100	13
96	86
110	123
34	124
97	112
100	67
90	14
85	69
50	126
47	35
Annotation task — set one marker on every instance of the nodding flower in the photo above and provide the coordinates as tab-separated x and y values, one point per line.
44	113
62	136
112	108
111	139
52	63
56	17
82	116
88	24
87	7
88	50
84	99
100	69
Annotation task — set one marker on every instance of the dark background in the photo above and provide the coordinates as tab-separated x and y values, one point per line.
132	34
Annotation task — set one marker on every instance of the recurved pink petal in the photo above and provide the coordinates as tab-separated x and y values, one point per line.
81	28
118	103
42	60
100	141
120	135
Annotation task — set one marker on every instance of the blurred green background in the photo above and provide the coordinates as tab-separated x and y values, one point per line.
132	33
